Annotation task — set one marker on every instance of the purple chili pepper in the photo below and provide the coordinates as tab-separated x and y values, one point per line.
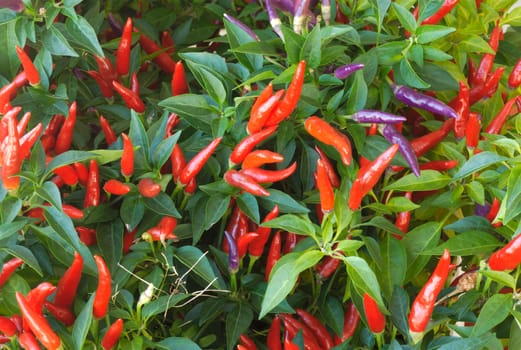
114	24
392	135
374	116
241	25
233	253
284	5
274	18
346	70
301	10
482	210
414	98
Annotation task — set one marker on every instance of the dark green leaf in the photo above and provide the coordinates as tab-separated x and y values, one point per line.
9	209
405	17
9	229
363	277
131	212
418	240
26	255
236	38
209	80
249	206
195	109
286	203
177	343
110	242
66	158
399	308
410	77
394	265
477	163
50	193
82	325
428	180
237	322
467	243
162	204
292	223
196	260
358	94
84	35
162	304
162	152
311	50
55	42
495	310
293	43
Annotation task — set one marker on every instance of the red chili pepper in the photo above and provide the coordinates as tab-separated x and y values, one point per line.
494	209
317	328
292	325
11	161
38	324
461	105
111	337
247	342
72	212
261	157
439	165
508	257
33	76
291	98
253	125
7	327
236	227
325	188
106	69
244	241
92	193
404	218
473	130
288	345
163	60
104	289
369	175
127	158
167	42
333	177
116	187
128	240
29	139
123	52
37	297
163	230
244	182
445	8
243	148
423	304
173	120
148	188
195	165
375	318
28	341
134	84
290	241
87	235
256	248
105	86
260	115
179	84
273	254
426	142
485	65
23	122
178	162
64	139
68	283
499	120
351	320
325	133
488	88
273	339
264	176
82	172
132	100
327	267
49	134
110	135
68	174
514	79
62	314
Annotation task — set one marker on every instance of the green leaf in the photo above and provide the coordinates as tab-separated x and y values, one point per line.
495	310
286	203
428	33
49	192
467	243
428	180
162	204
214	210
311	50
292	223
81	327
237	37
162	152
394	265
381	7
474	43
195	109
177	343
26	255
428	8
109	236
476	192
399	309
139	138
131	211
410	77
9	62
9	229
284	276
363	277
333	314
418	240
512	17
162	304
405	17
213	61
54	41
196	260
9	209
510	206
249	206
209	80
477	163
84	35
400	204
501	277
237	322
293	44
358	94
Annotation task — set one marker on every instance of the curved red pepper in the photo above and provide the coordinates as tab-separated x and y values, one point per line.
104	289
327	267
265	176
163	60
11	161
123	52
244	241
254	124
428	141
28	341
82	172
445	8
499	120
64	139
131	99
247	342
167	42
148	188
260	115
7	327
461	105
261	157
195	165
110	135
325	133
106	69
473	130
244	182
508	257
256	248
333	177
104	85
62	314
351	320
33	76
243	148
375	318
68	174
404	218
111	337
177	159
317	328
29	139
514	79
68	283
292	326
116	187
127	157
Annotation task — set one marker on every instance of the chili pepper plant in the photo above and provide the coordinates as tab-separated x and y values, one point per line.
267	174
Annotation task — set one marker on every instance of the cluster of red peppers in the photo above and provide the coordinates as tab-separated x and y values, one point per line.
32	327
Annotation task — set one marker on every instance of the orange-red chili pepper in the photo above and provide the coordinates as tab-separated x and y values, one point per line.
244	241
92	193
62	314
196	164
327	267
163	60
261	157
86	235
110	135
37	297
293	325
28	341
351	320
291	98
244	182
273	254
428	141
82	172
127	158
148	188
404	218
485	65
106	68
7	327
375	318
179	84
11	161
104	289
111	337
253	124
325	188
178	162
72	212
123	52
132	100
461	105
29	139
256	248
514	79
33	76
325	133
499	120
116	187
104	85
445	8
473	130
167	42
247	342
38	324
260	115
264	176
243	148
68	283
507	257
68	174
273	339
8	268
333	177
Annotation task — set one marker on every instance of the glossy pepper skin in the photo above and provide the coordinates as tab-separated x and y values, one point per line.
179	84
243	148
33	76
256	247
325	133
11	161
110	135
8	268
62	314
351	320
38	324
473	130
273	254
461	104
416	99
508	257
131	99
392	135
319	330
273	339
261	157
325	188
374	116
104	85
104	289
92	193
375	318
423	144
196	164
64	139
445	8
499	120
233	253
28	341
265	176
244	182
346	70
68	283
127	158
259	115
291	98
423	304
111	337
148	188
163	60
116	187
514	79
255	124
123	52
